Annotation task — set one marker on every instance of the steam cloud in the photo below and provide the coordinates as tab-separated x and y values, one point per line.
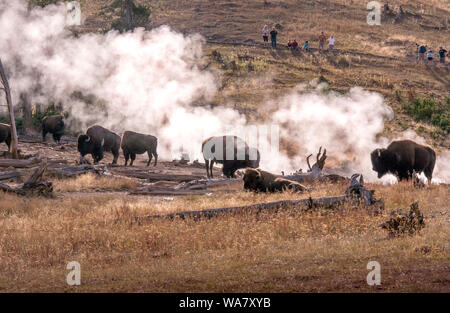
150	82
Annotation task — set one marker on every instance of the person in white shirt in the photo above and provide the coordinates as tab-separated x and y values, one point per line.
331	41
265	32
430	56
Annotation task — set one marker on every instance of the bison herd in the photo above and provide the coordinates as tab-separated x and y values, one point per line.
401	158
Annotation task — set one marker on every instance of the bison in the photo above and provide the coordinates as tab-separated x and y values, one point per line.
261	181
135	143
403	157
53	124
97	140
5	134
232	152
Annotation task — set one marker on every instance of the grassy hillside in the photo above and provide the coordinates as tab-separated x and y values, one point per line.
379	58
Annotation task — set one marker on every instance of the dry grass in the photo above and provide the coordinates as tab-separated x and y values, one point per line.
92	182
316	251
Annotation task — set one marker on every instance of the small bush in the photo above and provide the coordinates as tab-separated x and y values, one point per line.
43	3
38	117
429	110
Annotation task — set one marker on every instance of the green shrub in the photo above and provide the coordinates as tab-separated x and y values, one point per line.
429	110
43	3
38	117
19	123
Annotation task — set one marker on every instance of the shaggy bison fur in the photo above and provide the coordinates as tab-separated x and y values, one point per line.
53	124
136	143
97	140
402	158
261	181
5	134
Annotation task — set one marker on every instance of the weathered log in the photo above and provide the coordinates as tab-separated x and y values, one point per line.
355	194
69	171
169	192
9	175
35	185
19	163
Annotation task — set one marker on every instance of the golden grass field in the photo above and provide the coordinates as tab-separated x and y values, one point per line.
91	220
319	251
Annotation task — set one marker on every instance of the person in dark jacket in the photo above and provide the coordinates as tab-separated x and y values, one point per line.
273	37
442	53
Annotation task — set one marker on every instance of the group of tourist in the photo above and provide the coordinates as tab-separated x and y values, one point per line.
293	44
426	55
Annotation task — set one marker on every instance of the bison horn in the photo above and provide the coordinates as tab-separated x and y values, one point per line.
379	153
103	142
88	139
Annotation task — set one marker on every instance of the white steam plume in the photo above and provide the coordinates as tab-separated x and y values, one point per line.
150	81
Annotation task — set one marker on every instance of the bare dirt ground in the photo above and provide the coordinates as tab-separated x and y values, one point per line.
92	220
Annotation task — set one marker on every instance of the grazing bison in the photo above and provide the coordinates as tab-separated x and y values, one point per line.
5	134
231	151
403	157
135	143
53	124
261	181
97	140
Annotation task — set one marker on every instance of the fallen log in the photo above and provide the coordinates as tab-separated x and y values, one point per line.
169	192
69	171
20	163
35	185
355	194
195	187
9	175
153	177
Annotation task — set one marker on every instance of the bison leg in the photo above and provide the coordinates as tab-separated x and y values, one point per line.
126	155
8	143
156	157
44	133
133	157
150	156
211	164
116	157
207	168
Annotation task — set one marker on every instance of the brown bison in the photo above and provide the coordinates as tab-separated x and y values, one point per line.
135	143
403	157
231	151
53	124
97	140
261	181
5	134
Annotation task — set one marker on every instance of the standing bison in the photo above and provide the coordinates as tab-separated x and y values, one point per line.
53	124
231	151
97	140
135	143
403	157
5	134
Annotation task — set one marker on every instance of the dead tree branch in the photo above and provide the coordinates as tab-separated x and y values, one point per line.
355	194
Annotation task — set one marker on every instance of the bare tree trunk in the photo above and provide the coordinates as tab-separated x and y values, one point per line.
14	140
26	111
128	13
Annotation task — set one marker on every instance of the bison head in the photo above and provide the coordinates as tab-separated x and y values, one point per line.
383	161
252	179
87	145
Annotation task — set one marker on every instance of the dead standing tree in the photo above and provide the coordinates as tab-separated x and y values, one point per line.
315	172
14	141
